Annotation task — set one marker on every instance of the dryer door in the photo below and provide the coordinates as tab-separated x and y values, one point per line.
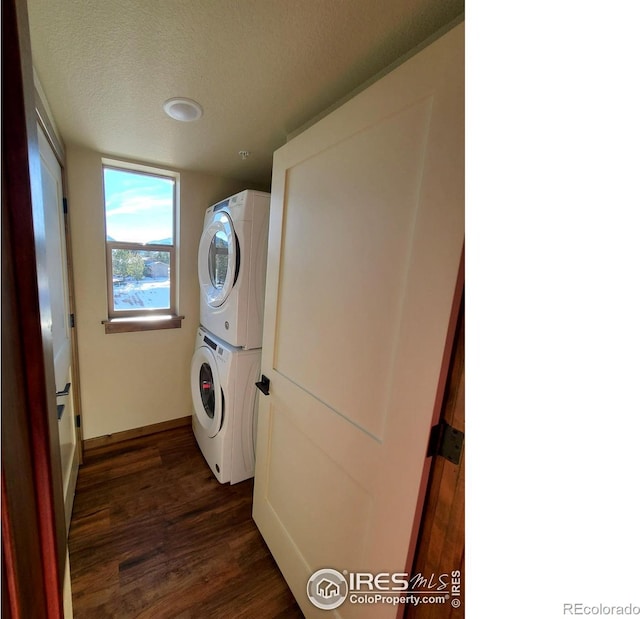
206	392
218	259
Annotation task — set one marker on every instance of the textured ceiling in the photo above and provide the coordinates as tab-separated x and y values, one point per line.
259	68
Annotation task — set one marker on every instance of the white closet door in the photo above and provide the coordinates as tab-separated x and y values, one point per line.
56	260
58	288
366	236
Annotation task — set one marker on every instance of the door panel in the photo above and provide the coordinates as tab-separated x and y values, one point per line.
366	235
56	260
322	487
56	253
357	230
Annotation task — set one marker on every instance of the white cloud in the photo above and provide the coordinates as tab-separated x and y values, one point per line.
137	204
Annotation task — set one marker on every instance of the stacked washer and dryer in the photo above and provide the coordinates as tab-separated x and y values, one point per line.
232	262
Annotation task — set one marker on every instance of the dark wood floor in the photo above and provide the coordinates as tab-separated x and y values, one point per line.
154	534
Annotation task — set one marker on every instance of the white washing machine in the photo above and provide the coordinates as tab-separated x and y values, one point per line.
225	406
232	265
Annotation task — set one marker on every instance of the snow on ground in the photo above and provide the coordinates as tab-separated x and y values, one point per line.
147	293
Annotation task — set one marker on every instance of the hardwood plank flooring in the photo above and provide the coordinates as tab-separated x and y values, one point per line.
153	534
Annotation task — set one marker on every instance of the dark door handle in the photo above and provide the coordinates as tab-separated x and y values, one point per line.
263	385
65	391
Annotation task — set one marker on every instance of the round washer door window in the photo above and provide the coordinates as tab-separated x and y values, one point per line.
205	390
218	260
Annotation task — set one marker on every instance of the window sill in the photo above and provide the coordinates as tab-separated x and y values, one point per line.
147	323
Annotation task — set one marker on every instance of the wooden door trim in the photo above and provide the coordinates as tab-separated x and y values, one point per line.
35	511
46	123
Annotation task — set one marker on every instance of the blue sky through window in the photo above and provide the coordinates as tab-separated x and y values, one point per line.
139	207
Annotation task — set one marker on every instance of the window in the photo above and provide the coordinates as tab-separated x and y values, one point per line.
140	207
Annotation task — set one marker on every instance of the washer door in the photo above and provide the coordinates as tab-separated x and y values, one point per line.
218	259
206	391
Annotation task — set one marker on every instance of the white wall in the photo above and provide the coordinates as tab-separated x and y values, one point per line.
130	380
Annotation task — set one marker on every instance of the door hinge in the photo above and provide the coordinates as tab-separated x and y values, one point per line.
64	392
65	206
77	421
72	320
446	441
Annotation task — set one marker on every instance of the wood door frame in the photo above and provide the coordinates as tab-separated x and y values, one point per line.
33	525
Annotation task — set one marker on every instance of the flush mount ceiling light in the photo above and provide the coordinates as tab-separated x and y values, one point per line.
183	109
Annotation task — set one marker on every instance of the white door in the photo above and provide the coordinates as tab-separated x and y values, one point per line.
366	237
60	327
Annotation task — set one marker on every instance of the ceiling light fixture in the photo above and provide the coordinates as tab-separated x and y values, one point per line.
185	110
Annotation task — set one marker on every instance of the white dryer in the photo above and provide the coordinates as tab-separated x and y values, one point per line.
232	265
225	406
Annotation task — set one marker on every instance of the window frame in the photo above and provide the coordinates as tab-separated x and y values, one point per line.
120	321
